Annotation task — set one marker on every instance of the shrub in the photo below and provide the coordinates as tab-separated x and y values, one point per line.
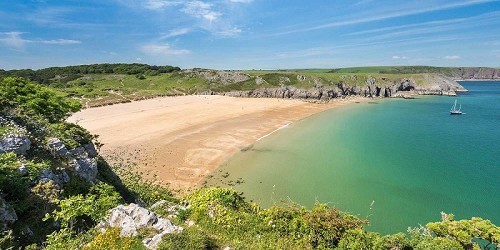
111	239
32	99
71	134
190	238
15	187
84	211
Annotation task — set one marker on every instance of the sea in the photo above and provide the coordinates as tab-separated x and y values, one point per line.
396	162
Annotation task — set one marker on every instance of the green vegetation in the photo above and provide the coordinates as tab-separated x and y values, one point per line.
102	84
64	215
32	99
65	74
446	71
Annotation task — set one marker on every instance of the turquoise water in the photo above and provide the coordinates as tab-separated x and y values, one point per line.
398	163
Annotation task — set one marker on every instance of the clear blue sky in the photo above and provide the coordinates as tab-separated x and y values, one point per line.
250	34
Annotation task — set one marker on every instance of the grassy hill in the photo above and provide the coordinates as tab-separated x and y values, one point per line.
454	72
102	84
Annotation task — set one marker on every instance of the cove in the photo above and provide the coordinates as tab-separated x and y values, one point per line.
396	162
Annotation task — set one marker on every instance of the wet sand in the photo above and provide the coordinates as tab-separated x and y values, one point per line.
181	140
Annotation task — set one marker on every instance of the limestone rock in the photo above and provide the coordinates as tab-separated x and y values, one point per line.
7	214
90	148
259	80
86	168
133	217
59	179
19	144
23	170
57	147
81	159
218	76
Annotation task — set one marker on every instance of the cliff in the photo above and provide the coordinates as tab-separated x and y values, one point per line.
321	88
455	73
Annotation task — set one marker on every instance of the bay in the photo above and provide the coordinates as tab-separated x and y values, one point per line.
396	162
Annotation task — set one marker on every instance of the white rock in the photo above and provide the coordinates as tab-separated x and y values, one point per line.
133	217
19	144
7	214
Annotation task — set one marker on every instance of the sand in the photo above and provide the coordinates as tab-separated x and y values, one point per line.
181	140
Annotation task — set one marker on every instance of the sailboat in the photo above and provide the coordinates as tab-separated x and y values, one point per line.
455	111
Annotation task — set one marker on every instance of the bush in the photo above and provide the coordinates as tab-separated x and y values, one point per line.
70	134
81	212
190	238
111	239
32	99
14	187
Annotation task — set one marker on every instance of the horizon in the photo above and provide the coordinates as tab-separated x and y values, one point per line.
250	34
277	69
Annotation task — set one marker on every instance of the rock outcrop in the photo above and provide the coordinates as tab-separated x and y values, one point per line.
218	76
59	179
436	85
475	73
7	214
132	218
81	160
19	144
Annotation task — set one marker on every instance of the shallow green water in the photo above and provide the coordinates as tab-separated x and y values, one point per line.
398	163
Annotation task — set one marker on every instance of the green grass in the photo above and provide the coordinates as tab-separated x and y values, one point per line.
3	130
102	89
446	71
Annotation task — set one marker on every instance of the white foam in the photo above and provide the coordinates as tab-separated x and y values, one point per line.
282	127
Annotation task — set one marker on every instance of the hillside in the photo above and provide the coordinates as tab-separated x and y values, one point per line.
455	73
56	192
102	84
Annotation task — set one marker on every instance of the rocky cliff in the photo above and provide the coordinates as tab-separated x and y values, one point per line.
323	90
475	73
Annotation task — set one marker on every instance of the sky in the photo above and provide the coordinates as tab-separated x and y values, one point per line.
250	34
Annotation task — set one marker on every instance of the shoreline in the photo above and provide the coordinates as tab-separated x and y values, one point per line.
182	140
478	80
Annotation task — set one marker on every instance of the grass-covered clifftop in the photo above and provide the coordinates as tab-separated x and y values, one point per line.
457	73
102	84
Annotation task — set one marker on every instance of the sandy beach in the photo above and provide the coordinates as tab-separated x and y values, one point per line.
183	139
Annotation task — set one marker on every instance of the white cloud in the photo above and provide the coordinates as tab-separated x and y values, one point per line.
399	57
395	14
451	57
176	32
230	32
160	4
240	1
208	16
13	40
61	42
201	9
162	49
138	59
